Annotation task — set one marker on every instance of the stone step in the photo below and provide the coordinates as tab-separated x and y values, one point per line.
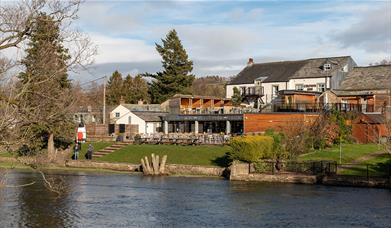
107	150
110	149
117	146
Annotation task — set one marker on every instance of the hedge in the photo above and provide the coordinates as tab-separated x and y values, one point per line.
251	148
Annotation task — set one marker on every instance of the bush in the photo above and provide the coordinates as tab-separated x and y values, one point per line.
263	167
251	148
137	139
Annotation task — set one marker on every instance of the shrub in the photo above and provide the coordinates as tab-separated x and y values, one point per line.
251	148
262	166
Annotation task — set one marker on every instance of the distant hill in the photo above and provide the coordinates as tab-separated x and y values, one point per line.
210	86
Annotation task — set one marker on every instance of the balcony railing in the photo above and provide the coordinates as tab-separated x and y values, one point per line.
314	107
254	91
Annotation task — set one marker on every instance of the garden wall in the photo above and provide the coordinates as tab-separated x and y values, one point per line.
241	172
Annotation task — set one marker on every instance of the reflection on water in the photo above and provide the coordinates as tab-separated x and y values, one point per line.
118	200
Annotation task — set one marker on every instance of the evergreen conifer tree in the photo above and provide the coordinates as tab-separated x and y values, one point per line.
236	97
127	87
114	89
176	76
46	99
135	89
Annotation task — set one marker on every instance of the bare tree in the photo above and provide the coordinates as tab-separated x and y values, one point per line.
17	20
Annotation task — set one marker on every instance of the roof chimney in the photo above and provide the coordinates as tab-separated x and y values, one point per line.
140	102
122	100
250	62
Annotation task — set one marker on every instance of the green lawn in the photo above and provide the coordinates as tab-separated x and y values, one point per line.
6	154
379	166
97	146
176	154
350	152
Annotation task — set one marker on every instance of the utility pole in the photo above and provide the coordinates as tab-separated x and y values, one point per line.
104	100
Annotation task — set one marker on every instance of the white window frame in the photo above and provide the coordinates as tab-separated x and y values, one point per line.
327	66
117	115
275	91
321	89
299	85
129	119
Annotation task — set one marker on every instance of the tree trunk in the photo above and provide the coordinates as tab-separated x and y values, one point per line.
51	150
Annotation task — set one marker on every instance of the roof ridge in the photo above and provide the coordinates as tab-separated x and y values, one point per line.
301	60
382	65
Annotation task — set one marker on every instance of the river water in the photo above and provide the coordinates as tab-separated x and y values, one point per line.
120	200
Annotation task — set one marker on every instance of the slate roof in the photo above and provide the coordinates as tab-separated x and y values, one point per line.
150	116
143	107
368	78
370	118
285	70
376	118
314	67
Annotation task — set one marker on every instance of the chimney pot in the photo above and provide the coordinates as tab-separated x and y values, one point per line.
250	62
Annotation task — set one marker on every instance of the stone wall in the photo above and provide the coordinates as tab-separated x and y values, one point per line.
103	165
171	169
356	181
176	169
241	172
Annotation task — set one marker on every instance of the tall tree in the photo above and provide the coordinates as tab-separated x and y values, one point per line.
114	89
135	89
140	89
127	87
46	101
236	97
176	76
17	21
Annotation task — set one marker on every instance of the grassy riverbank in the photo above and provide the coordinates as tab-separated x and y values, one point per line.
187	155
350	152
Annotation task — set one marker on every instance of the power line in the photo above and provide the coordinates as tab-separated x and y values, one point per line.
84	83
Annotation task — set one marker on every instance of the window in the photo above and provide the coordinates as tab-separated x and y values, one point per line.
250	91
299	87
275	91
117	114
260	90
129	120
327	66
309	88
242	90
321	87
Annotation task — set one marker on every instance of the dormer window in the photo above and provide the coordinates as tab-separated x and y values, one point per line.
327	66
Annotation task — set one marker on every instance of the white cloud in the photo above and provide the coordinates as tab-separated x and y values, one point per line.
111	49
372	32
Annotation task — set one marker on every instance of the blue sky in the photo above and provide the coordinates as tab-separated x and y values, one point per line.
220	36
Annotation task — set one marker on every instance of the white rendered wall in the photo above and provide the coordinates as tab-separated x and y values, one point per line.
267	90
229	90
124	114
308	81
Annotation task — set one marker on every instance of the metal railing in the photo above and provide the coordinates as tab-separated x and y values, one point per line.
316	107
182	139
365	170
309	168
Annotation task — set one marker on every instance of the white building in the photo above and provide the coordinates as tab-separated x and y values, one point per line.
147	117
263	81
